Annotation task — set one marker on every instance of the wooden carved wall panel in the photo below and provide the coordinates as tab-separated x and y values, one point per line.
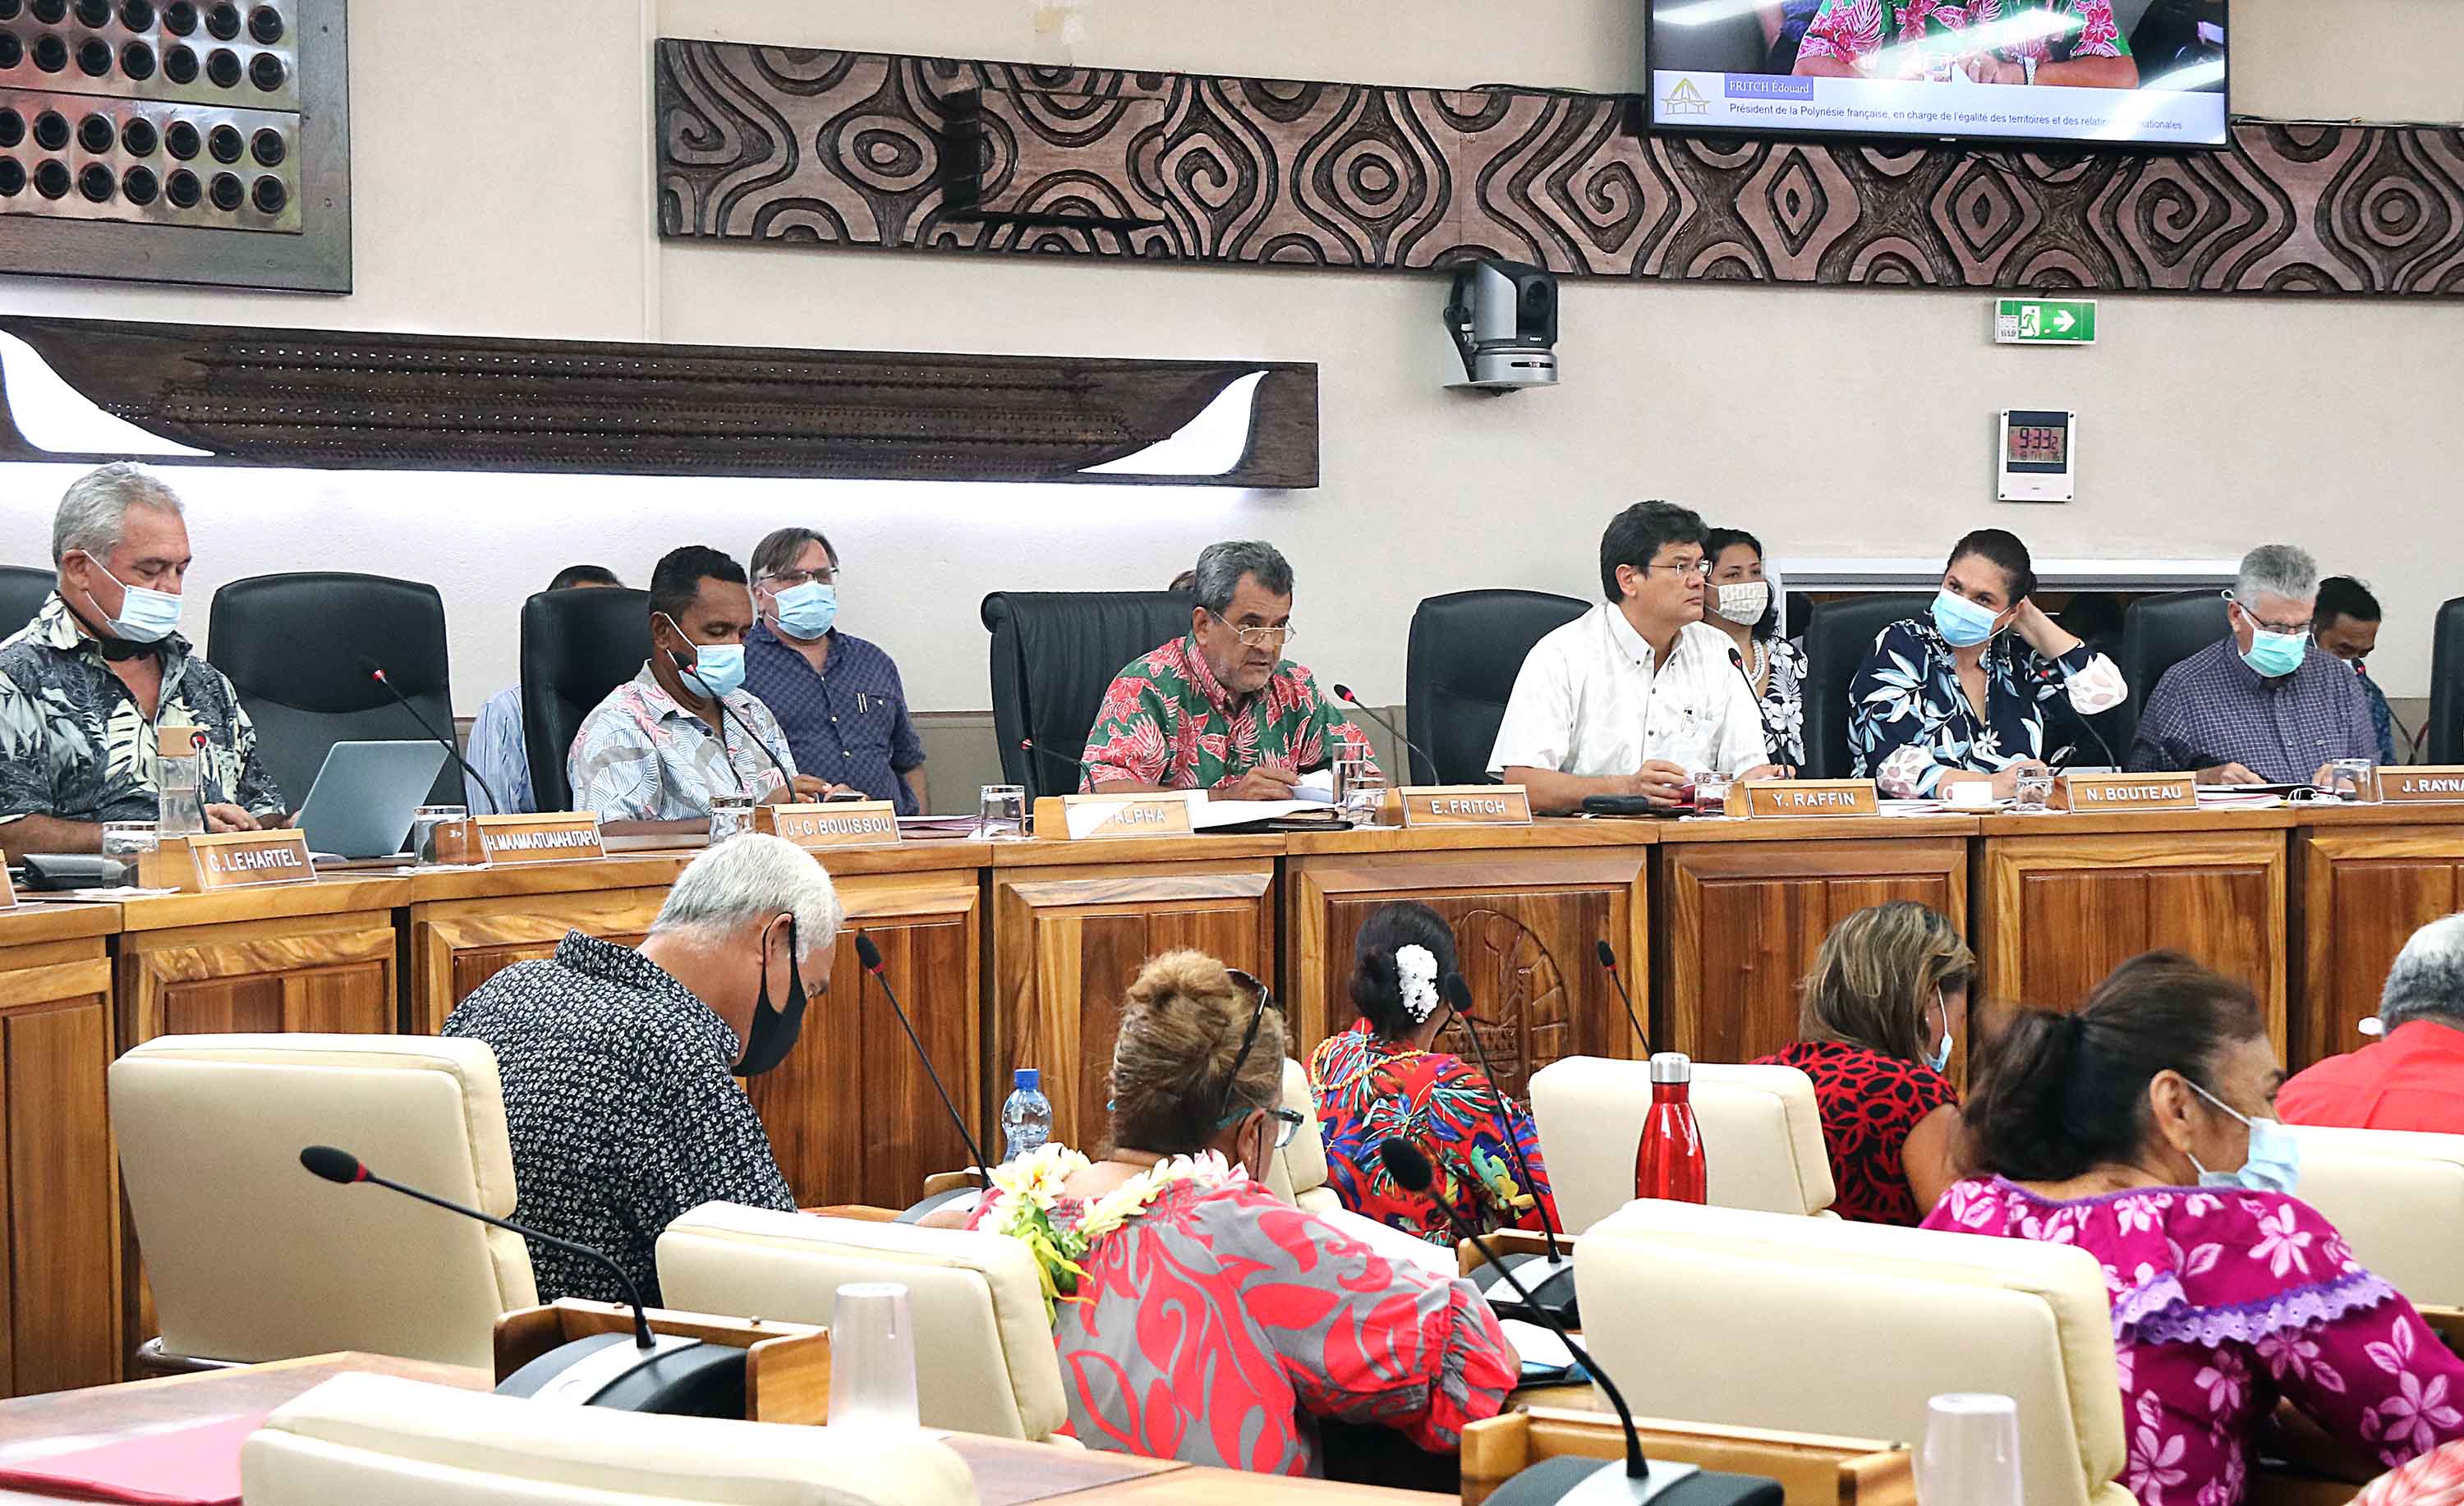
839	148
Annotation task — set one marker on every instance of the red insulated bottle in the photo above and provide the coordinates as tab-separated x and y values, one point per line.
1668	1163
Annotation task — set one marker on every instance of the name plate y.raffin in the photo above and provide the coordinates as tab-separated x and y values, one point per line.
841	823
251	860
1465	805
2127	791
547	836
2423	784
1114	817
1804	798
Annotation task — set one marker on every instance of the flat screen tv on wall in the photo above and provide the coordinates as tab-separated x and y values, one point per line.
2088	73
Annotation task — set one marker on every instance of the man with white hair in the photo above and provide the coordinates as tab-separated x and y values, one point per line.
85	684
2265	705
2414	1078
618	1063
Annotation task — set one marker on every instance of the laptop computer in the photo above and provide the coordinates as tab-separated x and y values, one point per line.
365	796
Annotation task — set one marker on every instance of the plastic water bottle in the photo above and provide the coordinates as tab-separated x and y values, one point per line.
181	810
1668	1162
1027	1116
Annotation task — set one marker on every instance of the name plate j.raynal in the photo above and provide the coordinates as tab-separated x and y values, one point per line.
1114	818
839	823
1804	798
2127	791
2423	784
1465	805
251	860
547	836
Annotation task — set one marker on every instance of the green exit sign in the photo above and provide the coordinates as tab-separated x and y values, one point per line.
2045	321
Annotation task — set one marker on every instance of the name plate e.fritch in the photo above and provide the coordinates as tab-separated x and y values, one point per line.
1804	798
2422	784
1465	805
545	837
831	824
1115	818
251	860
2083	793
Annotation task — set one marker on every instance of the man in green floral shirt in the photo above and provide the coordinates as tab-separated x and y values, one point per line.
1221	709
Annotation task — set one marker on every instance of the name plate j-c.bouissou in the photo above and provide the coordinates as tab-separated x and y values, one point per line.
2083	793
251	860
1465	805
2423	784
1114	817
547	836
1804	798
840	823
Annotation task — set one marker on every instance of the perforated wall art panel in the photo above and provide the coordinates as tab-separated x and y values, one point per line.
178	142
836	148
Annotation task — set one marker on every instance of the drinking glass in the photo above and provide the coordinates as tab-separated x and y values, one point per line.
872	1357
2032	795
126	840
1359	789
1710	792
1001	813
423	824
2354	779
729	814
1971	1456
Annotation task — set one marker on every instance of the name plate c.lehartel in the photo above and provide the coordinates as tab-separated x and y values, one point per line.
547	837
2081	793
1465	805
831	824
1115	818
1804	798
2423	784
251	860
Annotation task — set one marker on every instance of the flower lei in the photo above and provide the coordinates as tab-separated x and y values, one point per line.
1031	1187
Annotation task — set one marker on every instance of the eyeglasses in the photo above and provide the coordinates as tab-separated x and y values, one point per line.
1259	637
1700	567
1223	1114
789	579
2301	627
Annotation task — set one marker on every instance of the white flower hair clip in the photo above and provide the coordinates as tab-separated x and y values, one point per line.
1419	970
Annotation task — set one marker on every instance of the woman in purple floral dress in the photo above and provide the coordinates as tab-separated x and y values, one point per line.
2141	1129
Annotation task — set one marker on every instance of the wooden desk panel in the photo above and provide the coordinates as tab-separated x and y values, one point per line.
1526	922
2057	909
2360	890
464	928
60	1189
315	957
1742	914
1069	939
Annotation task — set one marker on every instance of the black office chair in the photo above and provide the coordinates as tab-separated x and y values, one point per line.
1459	668
578	644
1838	639
22	591
2446	732
1054	653
292	645
2157	633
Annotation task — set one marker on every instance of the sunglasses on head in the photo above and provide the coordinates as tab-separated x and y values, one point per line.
1287	1121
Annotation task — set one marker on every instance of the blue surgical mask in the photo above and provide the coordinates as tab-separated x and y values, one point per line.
717	670
806	611
2274	1161
1962	623
2276	655
1939	1058
146	616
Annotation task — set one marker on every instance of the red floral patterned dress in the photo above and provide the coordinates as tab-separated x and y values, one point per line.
1217	1325
2224	1301
1868	1103
1369	1090
1167	720
1853	30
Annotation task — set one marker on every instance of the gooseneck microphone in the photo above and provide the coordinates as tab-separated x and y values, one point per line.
786	781
343	1166
1458	994
1411	749
1609	963
1077	769
870	955
376	671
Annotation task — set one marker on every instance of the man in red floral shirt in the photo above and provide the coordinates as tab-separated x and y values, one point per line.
1221	709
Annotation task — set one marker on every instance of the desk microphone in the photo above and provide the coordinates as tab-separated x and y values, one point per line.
1077	768
1609	964
1411	749
376	671
2048	674
1562	1477
786	781
1557	1273
870	956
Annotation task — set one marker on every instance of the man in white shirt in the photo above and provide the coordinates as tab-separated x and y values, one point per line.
1636	695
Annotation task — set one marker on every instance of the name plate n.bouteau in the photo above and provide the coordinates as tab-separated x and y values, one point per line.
250	860
831	824
1114	817
547	837
1465	805
2083	793
1804	798
2423	784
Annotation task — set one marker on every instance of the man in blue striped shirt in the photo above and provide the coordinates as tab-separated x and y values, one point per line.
838	697
497	748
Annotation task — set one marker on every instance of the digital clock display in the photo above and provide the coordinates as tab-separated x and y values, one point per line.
2038	445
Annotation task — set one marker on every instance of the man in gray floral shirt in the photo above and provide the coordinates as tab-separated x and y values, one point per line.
86	684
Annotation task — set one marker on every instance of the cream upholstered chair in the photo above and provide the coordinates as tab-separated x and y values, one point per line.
1762	1138
1298	1172
377	1440
2398	1199
254	1258
1818	1325
985	1359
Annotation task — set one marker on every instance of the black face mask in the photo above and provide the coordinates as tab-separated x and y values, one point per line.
774	1031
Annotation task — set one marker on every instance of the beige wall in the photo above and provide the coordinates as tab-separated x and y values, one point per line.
1831	422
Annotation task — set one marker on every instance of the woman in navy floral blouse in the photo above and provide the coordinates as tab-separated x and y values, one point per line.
1953	699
